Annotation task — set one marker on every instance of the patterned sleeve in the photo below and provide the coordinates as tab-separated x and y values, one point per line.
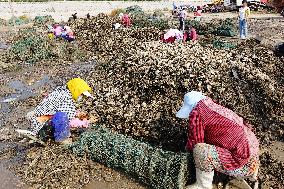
50	104
195	130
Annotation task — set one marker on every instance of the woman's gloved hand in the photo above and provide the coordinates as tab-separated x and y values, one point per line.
77	123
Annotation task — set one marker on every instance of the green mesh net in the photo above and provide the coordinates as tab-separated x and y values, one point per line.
18	20
40	20
223	44
151	165
216	27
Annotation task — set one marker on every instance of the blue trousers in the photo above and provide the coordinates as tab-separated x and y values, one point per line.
60	124
243	28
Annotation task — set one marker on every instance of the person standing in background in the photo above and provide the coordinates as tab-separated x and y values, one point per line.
244	13
182	16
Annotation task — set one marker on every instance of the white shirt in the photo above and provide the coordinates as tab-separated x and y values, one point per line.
182	14
244	12
174	33
116	26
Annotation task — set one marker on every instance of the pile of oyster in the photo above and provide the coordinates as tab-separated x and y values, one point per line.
139	81
97	36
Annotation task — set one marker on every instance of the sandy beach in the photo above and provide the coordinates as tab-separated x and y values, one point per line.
62	10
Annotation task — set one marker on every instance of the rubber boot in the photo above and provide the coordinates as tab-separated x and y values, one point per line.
203	180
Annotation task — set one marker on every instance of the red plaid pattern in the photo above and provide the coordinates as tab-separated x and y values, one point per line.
213	124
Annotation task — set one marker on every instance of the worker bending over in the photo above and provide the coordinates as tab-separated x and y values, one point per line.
171	36
182	17
190	34
126	22
54	116
68	34
220	140
197	14
58	31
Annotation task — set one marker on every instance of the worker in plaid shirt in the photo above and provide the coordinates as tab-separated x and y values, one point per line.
220	140
57	112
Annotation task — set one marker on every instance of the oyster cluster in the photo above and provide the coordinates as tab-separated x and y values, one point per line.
140	82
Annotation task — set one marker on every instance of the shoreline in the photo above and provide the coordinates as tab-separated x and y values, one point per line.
62	10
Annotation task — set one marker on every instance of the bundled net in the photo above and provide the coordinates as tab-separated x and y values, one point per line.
40	20
223	44
217	27
19	20
31	46
151	165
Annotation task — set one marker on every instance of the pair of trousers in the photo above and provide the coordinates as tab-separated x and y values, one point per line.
181	23
206	159
57	128
243	25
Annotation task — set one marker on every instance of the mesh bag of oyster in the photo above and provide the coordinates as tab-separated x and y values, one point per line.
155	167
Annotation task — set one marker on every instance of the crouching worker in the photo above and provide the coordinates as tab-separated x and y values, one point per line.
220	140
57	29
125	20
171	36
190	34
68	34
54	116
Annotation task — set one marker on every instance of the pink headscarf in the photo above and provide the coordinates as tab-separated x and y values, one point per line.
57	30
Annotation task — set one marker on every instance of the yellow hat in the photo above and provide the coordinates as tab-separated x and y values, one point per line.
77	86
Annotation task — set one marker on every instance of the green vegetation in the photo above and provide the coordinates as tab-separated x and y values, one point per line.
223	44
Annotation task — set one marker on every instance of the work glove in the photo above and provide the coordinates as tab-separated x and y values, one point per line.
77	123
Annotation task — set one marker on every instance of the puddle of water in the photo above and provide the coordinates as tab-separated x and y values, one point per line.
4	110
3	46
18	85
41	82
22	92
9	99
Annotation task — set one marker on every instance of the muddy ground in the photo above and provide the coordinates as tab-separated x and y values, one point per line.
22	89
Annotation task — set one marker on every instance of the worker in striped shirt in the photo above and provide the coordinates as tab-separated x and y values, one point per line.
220	140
